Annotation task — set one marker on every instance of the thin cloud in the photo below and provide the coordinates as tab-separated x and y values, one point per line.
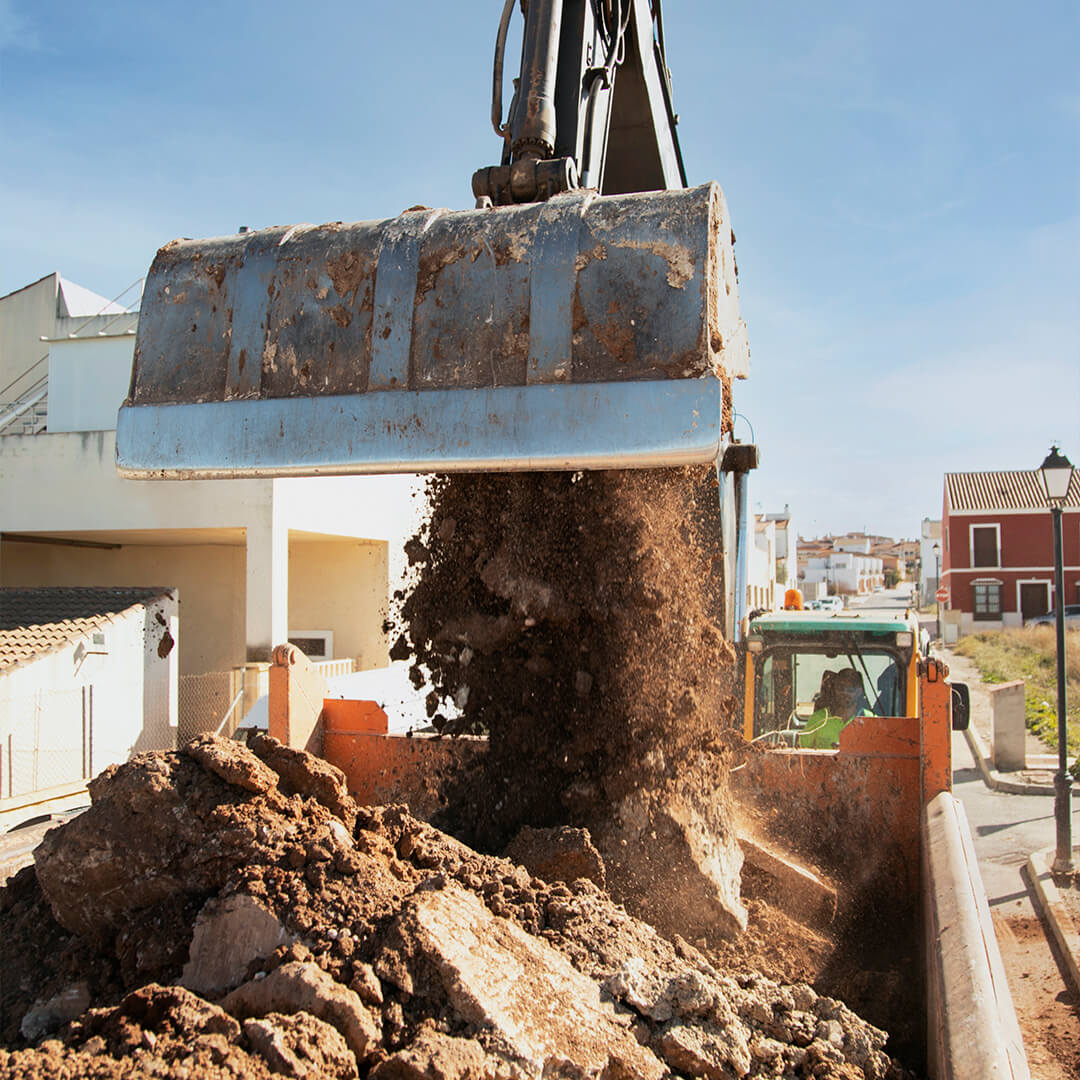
16	31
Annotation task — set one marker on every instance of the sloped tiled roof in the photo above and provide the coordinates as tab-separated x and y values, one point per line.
37	621
1018	490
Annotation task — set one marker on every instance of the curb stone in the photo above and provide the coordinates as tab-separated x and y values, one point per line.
1053	907
999	781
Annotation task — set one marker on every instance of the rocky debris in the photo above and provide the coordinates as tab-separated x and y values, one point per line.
305	987
301	1045
408	954
562	854
303	774
435	1056
511	985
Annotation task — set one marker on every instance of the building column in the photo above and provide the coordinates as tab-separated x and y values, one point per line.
267	580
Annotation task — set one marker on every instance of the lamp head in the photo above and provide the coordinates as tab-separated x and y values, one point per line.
1056	472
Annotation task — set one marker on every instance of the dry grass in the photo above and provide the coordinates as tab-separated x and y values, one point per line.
1031	654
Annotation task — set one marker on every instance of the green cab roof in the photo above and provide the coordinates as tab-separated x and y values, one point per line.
818	622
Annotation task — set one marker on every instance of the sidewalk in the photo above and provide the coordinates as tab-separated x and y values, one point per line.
1058	901
1038	777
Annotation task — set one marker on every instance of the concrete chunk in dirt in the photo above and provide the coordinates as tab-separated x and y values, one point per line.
305	987
229	933
517	988
674	864
794	888
706	1050
49	1015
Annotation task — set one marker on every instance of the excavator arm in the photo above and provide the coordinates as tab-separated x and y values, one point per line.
593	107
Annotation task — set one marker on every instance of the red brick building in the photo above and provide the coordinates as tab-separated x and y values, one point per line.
997	558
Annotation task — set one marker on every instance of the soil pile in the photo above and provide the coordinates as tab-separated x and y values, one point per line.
573	617
230	912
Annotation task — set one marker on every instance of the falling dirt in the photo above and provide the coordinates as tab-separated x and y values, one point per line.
574	619
230	912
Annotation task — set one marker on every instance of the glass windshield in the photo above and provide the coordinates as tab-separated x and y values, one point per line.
798	693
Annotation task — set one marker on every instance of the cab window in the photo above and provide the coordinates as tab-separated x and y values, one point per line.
791	688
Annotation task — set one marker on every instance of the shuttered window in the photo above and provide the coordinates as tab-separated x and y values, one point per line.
984	546
987	600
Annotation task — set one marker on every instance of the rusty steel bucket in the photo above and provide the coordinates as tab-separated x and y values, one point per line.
584	332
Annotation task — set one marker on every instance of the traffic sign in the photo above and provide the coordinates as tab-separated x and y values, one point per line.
941	595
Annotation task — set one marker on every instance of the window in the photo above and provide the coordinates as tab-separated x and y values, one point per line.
984	545
314	644
987	600
789	687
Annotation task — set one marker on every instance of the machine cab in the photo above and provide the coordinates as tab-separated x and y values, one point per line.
809	673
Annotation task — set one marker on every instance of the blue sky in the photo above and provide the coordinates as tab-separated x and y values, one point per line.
904	183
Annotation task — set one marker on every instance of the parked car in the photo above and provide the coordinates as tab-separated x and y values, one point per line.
831	603
1072	618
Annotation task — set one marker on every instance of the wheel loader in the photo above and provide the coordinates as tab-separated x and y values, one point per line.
582	315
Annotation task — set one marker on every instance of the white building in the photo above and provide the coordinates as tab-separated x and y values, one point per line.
253	562
761	585
87	678
845	572
787	550
772	561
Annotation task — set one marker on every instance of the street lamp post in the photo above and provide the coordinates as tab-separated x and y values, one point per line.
1057	473
937	587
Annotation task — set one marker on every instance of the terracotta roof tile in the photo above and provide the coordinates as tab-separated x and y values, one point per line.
1021	489
37	621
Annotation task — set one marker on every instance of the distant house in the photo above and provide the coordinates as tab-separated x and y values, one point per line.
997	547
771	562
842	564
787	553
929	535
88	676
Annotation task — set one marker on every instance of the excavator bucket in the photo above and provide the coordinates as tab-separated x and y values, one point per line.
583	332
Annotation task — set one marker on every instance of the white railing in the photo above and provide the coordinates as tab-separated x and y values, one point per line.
330	669
16	411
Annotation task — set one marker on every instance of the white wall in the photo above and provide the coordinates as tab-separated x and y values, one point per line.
25	317
342	586
64	482
388	508
88	380
70	713
761	567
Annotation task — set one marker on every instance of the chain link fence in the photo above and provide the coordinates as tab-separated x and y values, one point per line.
212	701
46	740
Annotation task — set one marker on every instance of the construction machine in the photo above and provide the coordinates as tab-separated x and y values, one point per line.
799	665
583	315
